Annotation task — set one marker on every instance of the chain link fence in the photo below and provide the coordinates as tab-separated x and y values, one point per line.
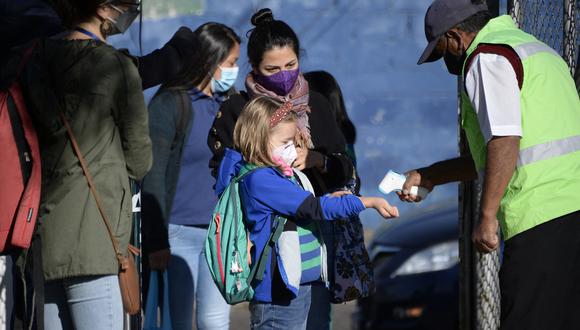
554	22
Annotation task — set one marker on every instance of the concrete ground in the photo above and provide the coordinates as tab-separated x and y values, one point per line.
341	316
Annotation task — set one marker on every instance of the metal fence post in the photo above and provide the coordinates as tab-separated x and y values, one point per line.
479	284
570	34
514	8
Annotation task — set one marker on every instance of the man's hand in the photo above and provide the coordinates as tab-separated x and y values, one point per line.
159	260
502	155
414	178
308	159
485	237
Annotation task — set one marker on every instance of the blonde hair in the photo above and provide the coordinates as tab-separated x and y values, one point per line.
252	131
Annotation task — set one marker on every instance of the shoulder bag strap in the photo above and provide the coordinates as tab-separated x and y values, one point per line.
89	178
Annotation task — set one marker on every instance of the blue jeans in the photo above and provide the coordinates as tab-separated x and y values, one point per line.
267	316
85	302
190	280
319	317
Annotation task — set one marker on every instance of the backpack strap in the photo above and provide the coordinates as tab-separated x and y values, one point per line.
26	54
502	50
184	115
259	269
245	170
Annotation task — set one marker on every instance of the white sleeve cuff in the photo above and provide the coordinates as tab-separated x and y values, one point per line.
507	130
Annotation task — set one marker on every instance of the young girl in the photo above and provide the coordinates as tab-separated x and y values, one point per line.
274	53
265	134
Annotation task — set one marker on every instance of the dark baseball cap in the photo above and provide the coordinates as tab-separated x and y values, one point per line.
441	16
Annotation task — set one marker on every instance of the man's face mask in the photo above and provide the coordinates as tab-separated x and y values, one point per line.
125	18
454	63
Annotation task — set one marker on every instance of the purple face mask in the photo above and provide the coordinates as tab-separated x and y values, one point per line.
280	83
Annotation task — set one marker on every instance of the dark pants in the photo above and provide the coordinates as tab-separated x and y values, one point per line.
540	277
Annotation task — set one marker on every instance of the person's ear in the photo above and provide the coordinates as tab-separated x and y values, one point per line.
454	39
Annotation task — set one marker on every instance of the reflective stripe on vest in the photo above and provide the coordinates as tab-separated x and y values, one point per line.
532	48
548	150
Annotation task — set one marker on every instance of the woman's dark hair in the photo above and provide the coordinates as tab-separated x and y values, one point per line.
267	34
216	40
73	12
325	84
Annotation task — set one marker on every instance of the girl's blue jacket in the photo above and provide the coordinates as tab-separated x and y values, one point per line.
265	193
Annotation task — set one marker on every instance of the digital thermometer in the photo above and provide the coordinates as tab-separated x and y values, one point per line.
394	181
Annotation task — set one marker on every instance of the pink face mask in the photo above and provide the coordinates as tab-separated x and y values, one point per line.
286	153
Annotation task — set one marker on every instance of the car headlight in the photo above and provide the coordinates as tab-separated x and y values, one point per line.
437	257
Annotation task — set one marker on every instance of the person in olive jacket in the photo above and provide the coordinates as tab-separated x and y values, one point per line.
99	91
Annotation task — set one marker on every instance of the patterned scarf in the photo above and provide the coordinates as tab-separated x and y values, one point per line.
299	96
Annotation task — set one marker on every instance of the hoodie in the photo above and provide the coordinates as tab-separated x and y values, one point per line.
265	193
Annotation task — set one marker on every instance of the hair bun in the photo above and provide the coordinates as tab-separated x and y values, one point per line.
262	16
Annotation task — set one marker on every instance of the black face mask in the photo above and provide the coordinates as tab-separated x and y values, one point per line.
454	63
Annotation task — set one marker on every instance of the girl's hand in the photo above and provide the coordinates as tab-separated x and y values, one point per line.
308	159
381	205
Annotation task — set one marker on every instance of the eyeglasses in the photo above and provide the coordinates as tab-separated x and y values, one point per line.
441	47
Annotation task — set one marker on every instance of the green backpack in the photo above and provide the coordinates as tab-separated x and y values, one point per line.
227	246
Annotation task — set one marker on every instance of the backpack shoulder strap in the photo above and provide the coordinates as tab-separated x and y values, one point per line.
246	170
184	115
259	269
499	49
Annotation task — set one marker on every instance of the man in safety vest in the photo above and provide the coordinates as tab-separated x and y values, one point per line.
521	114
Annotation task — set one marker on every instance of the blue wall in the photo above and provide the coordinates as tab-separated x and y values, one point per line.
406	115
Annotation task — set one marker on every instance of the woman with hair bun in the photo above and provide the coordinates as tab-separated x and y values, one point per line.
178	197
98	89
274	54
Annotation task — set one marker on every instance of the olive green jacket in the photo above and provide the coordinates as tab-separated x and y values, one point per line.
99	90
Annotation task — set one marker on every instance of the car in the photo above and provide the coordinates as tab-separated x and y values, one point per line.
416	269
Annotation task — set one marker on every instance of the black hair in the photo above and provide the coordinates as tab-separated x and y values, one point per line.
267	34
73	12
325	84
216	40
475	22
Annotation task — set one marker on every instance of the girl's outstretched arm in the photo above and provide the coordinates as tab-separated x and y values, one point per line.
381	205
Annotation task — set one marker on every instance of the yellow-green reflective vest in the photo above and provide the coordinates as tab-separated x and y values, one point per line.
546	182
